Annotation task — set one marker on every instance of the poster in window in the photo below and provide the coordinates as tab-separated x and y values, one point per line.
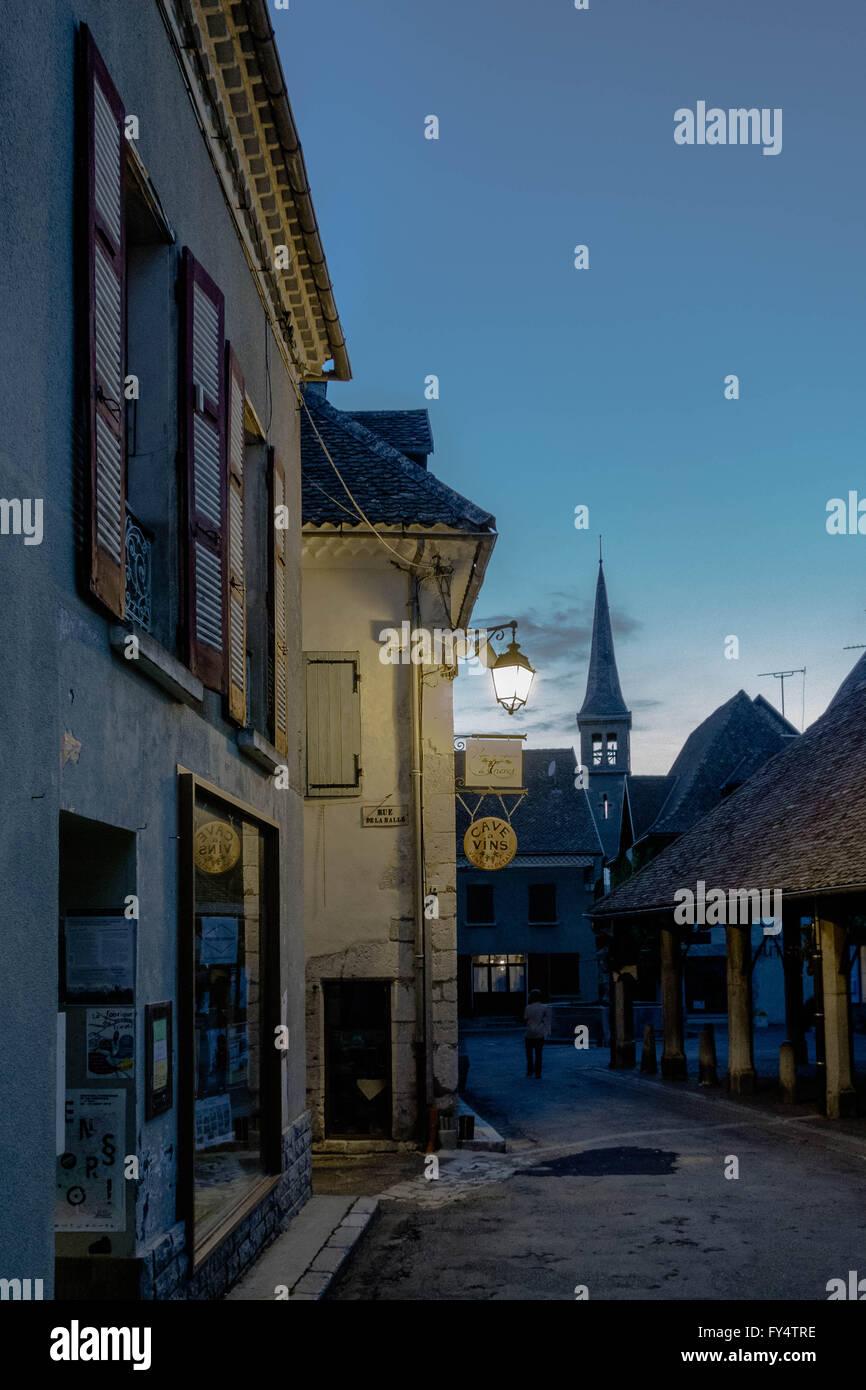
219	941
99	959
91	1192
213	1122
238	1054
111	1043
157	1032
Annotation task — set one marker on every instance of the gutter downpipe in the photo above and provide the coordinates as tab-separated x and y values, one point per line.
423	945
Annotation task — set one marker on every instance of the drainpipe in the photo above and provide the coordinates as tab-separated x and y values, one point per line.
423	945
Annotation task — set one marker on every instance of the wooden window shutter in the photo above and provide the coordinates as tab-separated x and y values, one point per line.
203	422
333	723
237	602
105	165
279	610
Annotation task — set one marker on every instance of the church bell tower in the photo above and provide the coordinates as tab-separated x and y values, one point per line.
604	723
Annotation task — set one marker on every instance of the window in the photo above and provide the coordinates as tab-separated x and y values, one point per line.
479	904
333	724
596	750
605	807
542	902
611	748
151	444
499	974
230	1068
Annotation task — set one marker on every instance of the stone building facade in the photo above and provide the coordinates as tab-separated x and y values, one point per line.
389	551
172	296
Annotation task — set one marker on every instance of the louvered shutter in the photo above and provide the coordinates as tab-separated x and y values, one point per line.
237	611
106	251
279	610
333	724
203	404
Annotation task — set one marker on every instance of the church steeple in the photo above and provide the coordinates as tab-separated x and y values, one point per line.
603	693
604	721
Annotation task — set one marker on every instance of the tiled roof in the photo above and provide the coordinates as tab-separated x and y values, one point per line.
553	818
646	796
741	734
798	824
390	489
406	430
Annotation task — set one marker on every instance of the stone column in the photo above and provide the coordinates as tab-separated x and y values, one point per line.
741	1061
673	1052
841	1095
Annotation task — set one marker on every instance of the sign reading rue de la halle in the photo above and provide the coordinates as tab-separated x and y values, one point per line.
490	843
384	815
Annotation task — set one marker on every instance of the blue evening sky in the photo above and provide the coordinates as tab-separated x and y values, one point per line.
605	386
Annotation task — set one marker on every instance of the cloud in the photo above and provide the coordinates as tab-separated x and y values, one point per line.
562	630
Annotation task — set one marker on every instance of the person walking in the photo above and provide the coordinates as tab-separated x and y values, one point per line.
537	1019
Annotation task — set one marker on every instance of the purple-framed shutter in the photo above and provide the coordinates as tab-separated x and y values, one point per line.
106	243
237	603
203	411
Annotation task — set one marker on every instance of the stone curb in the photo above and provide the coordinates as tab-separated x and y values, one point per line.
319	1274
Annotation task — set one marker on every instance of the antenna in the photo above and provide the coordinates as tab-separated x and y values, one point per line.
782	675
599	549
858	646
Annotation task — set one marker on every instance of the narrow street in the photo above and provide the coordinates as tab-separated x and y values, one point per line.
617	1182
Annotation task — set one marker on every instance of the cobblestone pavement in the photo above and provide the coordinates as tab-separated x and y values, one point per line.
617	1182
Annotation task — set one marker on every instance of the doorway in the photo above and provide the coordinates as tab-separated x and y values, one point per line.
357	1059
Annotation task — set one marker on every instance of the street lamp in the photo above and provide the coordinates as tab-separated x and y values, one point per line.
512	674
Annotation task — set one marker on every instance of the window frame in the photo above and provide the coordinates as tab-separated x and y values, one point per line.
272	1063
477	921
542	921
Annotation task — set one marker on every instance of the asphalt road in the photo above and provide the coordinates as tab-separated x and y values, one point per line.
617	1183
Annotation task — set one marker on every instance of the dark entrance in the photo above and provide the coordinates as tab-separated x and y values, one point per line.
358	1059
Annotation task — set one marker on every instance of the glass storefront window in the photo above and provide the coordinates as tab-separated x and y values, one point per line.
230	926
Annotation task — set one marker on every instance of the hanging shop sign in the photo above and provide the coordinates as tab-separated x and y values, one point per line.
384	815
490	843
494	762
217	847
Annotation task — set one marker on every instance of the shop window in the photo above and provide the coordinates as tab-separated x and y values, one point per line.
499	974
231	1078
542	903
479	904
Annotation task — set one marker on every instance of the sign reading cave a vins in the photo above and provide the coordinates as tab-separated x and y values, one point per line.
384	815
490	843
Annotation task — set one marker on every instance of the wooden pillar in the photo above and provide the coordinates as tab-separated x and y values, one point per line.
673	1052
622	980
792	965
841	1095
741	1060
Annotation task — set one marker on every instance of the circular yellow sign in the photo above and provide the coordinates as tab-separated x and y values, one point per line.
217	847
490	843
